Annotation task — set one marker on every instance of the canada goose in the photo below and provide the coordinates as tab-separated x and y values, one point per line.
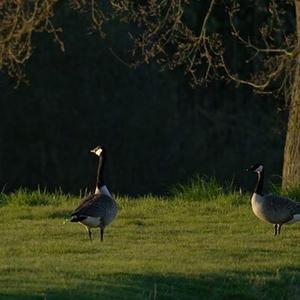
98	209
273	209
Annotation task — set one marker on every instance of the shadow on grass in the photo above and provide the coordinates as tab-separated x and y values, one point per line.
284	284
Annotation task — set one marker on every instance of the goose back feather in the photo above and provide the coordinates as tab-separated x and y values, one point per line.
274	209
97	206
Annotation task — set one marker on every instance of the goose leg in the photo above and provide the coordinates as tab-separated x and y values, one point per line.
90	234
278	228
275	229
101	234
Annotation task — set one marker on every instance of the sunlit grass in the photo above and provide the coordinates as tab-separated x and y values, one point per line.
157	248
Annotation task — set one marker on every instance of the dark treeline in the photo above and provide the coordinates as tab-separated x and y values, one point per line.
157	129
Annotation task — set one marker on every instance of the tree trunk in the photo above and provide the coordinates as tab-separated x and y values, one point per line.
291	164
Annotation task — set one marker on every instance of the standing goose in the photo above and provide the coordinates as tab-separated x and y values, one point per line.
273	209
98	209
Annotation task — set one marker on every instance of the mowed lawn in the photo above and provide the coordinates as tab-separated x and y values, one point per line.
172	248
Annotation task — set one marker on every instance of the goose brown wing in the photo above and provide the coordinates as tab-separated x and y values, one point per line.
95	205
283	204
85	201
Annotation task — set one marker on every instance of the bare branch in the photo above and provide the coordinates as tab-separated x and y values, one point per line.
258	86
249	44
207	16
18	21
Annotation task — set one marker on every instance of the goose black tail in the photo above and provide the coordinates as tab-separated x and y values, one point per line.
77	218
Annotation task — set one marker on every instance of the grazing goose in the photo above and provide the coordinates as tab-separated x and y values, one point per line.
98	209
273	209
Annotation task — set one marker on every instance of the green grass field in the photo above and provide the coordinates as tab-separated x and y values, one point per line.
198	244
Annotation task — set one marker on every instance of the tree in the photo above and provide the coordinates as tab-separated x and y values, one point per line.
200	38
18	21
291	168
197	38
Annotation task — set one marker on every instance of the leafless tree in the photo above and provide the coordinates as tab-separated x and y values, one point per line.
165	35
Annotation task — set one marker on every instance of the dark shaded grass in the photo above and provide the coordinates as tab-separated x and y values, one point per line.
230	285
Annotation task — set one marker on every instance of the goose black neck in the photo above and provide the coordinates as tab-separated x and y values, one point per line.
260	183
100	182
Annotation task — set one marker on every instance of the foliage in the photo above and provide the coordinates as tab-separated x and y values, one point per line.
158	130
206	189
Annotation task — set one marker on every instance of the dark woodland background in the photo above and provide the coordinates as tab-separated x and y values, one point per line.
157	129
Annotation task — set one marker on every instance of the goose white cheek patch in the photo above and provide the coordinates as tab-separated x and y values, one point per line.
259	169
98	152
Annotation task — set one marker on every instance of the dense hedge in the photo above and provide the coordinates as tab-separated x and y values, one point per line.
157	129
